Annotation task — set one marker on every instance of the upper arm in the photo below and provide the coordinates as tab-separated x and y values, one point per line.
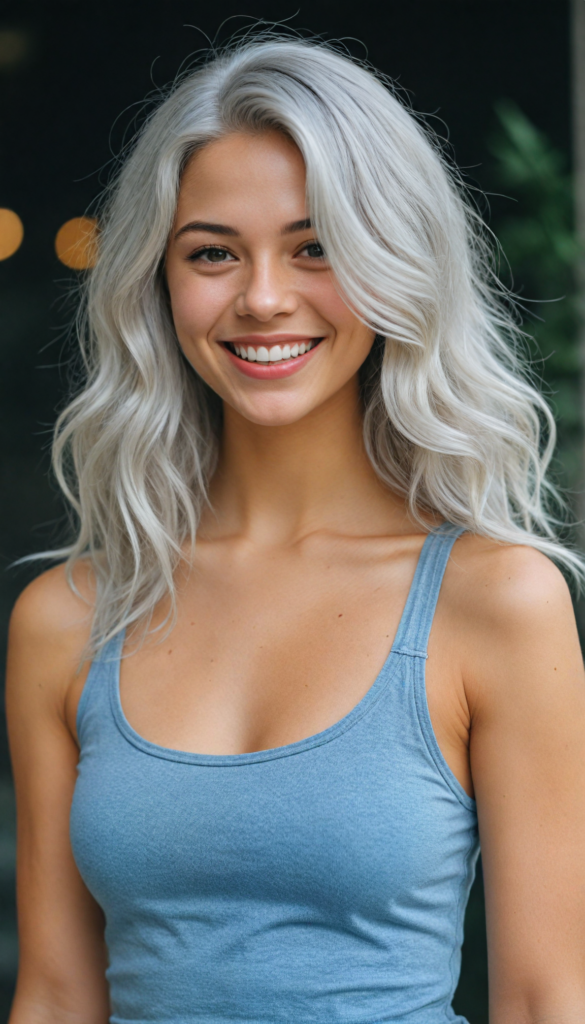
526	690
62	951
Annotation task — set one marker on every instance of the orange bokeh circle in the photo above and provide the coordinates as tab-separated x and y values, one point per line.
11	233
76	243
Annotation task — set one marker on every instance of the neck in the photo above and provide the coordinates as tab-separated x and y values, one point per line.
277	484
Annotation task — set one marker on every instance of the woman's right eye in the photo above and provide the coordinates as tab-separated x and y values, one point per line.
210	254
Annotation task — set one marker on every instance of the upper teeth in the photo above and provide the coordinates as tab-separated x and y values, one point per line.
275	354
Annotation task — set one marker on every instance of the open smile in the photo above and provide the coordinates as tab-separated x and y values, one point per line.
271	358
274	353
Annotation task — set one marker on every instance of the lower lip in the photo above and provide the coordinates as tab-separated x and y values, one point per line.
271	371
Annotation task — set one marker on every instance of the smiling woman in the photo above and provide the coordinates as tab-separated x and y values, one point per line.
261	715
274	272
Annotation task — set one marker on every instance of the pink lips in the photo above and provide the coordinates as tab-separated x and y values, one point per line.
269	371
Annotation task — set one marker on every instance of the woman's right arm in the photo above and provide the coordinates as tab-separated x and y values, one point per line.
61	977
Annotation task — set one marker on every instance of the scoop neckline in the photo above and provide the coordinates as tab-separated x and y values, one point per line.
392	660
271	753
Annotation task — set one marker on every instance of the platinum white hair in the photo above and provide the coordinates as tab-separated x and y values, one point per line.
451	420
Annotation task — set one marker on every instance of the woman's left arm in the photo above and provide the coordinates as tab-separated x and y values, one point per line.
525	681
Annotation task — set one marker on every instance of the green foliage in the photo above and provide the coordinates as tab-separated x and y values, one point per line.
539	242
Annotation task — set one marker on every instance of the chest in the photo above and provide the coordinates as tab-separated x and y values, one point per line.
267	650
345	821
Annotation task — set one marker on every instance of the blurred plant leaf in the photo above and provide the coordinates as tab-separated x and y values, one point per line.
540	244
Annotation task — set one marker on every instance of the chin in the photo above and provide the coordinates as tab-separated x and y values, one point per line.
275	413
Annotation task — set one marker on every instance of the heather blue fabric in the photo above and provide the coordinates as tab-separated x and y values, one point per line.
323	882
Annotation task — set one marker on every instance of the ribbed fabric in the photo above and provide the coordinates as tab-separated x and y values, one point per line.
316	883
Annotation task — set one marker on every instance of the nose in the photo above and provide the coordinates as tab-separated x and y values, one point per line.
267	291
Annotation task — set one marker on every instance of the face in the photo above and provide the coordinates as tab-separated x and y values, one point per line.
254	302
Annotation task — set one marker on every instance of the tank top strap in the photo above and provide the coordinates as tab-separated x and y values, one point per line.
111	652
415	625
96	691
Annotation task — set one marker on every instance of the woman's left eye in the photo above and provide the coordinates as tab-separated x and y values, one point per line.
314	250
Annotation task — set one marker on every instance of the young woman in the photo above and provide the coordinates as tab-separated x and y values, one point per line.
310	641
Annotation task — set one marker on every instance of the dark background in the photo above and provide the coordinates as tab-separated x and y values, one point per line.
67	99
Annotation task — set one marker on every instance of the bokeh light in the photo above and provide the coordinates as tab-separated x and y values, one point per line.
76	243
15	47
11	233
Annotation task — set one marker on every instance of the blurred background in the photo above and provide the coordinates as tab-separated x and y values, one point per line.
502	80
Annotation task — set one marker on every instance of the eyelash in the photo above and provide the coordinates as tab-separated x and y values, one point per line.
194	257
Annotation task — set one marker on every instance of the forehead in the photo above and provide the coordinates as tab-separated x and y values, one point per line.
242	173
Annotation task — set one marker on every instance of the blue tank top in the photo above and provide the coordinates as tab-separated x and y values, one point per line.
320	882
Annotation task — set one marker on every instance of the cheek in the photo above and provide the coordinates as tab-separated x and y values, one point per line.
193	315
196	304
321	293
336	312
325	297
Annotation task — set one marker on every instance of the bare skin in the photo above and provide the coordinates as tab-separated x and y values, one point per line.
297	585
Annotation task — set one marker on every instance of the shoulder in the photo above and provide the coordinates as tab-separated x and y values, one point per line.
505	585
51	607
49	629
510	616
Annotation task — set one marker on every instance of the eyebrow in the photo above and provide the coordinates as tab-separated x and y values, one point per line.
202	225
297	225
224	229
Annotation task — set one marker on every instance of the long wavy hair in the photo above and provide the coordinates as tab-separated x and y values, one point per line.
452	421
